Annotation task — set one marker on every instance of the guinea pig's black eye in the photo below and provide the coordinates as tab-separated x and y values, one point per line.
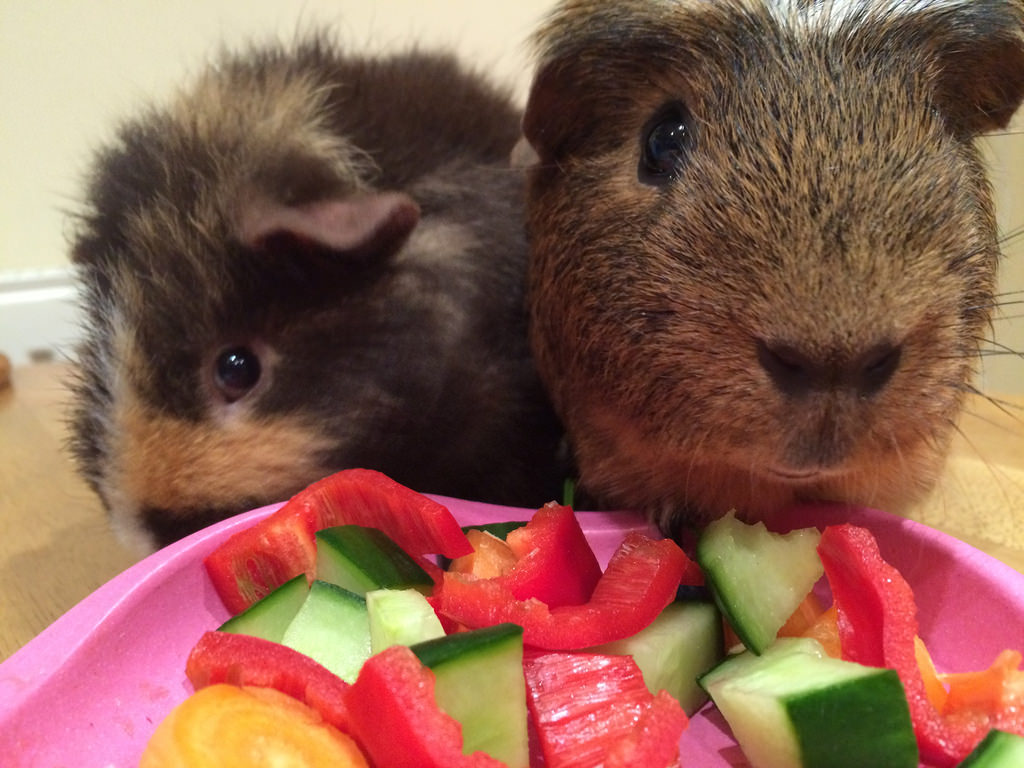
668	138
236	371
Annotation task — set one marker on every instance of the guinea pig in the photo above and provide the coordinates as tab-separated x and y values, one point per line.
305	261
763	249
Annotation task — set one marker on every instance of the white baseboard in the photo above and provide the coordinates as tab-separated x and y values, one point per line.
38	315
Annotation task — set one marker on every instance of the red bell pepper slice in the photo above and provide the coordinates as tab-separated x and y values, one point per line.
593	709
418	524
223	657
396	720
251	563
640	580
877	620
555	562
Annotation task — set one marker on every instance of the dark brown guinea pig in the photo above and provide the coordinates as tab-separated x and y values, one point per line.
308	261
763	245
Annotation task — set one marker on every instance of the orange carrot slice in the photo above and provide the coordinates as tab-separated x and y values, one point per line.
226	725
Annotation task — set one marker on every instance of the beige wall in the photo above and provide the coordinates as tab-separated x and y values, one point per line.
69	68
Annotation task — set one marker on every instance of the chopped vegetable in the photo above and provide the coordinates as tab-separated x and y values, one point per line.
454	702
795	707
332	627
640	580
418	524
254	562
223	726
680	645
220	657
934	688
396	719
251	563
758	578
548	558
270	616
555	563
491	556
996	691
595	710
997	750
400	617
877	620
359	559
804	617
479	681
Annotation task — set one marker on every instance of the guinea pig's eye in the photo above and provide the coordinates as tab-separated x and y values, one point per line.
236	371
668	138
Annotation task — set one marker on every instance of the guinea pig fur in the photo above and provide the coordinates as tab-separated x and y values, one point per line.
763	248
308	261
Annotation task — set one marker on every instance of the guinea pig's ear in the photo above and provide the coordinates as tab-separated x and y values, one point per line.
581	89
547	118
560	113
981	83
362	225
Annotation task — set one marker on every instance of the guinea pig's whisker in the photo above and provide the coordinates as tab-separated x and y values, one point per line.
1002	318
1014	303
998	299
996	348
1008	237
1009	408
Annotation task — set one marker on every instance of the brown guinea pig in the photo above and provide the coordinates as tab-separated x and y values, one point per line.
763	245
308	261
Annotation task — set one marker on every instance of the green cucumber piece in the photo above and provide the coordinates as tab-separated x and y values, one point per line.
480	683
683	643
400	617
758	578
998	749
359	559
795	707
333	628
270	616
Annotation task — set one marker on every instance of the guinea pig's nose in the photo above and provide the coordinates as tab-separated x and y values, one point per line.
796	372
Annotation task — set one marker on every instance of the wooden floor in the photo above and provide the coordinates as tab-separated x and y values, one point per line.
56	547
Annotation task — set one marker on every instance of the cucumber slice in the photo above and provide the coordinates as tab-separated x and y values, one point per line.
758	578
333	628
270	616
400	617
998	749
795	707
683	643
359	559
480	683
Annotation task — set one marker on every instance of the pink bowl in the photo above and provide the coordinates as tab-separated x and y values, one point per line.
90	689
